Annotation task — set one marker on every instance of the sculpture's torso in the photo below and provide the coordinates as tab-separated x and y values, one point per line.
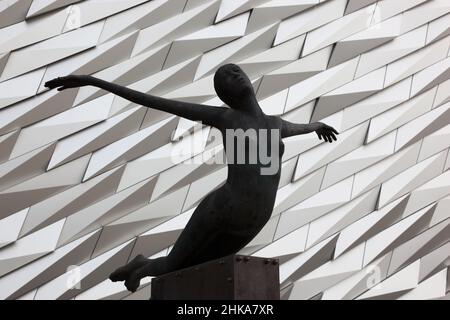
228	218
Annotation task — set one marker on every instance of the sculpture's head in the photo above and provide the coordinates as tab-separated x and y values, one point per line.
232	85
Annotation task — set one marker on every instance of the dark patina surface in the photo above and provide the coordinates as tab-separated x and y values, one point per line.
227	219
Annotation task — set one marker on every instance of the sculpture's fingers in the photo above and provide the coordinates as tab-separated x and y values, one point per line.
329	134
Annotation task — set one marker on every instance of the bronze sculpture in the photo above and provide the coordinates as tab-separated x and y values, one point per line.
227	219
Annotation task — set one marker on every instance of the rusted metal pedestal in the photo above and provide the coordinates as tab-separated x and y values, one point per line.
234	277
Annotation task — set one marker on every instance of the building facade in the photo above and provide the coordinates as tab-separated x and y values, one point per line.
89	180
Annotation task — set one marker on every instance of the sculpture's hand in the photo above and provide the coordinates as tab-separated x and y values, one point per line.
71	81
325	131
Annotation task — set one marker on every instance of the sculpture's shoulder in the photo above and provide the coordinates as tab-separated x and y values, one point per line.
228	114
226	118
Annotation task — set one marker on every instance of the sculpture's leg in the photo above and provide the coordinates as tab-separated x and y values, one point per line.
183	249
189	251
202	239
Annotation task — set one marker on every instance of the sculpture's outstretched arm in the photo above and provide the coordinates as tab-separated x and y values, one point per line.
324	131
209	115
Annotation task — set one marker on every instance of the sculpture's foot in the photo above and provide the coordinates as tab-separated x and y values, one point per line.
123	273
151	267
